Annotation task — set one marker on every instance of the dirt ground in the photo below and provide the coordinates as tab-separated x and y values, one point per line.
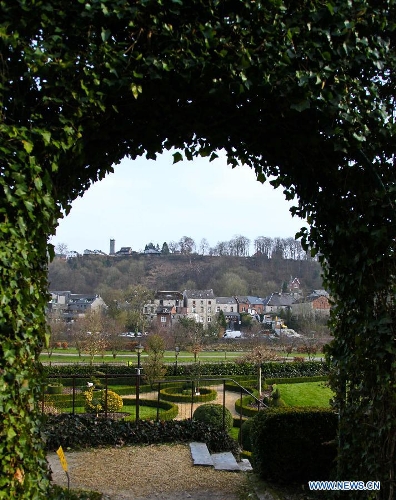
155	472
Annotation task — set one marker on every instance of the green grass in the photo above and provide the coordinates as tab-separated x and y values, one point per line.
145	412
71	356
306	394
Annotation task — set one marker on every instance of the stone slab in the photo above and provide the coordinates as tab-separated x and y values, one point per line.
245	465
225	461
200	454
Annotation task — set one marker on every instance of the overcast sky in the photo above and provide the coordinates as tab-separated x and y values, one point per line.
147	201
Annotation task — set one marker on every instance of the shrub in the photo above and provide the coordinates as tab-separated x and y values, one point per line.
87	431
276	400
244	437
294	444
213	414
97	401
181	395
247	406
54	388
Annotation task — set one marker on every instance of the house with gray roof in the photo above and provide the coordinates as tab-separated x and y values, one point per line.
200	305
277	302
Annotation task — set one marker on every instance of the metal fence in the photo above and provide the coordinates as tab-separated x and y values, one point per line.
162	400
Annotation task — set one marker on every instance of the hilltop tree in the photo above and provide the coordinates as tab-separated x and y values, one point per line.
165	249
302	92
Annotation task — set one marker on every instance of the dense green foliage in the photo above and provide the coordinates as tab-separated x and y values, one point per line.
302	91
59	493
77	432
270	370
214	415
244	436
294	444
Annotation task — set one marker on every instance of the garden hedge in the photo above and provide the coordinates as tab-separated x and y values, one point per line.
294	444
169	412
82	431
174	394
223	369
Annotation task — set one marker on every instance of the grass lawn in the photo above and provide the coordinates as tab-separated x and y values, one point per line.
71	356
306	394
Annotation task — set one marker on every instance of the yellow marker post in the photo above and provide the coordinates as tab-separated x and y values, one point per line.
63	462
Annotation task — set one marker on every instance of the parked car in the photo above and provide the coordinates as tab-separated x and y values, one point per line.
232	334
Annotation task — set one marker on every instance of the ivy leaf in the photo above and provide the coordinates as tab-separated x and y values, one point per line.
301	106
177	157
28	146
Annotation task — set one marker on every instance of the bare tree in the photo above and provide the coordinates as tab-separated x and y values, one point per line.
204	246
187	245
62	249
173	246
56	328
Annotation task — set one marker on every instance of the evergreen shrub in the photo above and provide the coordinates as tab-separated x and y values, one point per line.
212	414
244	436
89	431
294	444
180	395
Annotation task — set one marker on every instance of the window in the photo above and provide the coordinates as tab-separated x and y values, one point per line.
202	309
163	319
209	319
232	309
218	309
210	302
209	309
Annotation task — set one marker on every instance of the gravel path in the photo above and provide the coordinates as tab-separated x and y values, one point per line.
154	472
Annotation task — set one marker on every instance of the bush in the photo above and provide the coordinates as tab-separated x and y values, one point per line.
245	437
276	400
247	406
97	401
229	369
87	431
181	395
294	444
212	414
54	388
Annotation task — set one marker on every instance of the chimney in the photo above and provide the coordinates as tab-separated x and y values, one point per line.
112	247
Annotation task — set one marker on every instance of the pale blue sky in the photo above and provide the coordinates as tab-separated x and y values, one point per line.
147	201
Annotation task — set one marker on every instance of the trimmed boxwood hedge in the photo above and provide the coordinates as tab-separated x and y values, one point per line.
244	407
296	380
226	369
175	394
294	444
169	412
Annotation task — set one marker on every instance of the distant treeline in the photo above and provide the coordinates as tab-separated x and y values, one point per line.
227	275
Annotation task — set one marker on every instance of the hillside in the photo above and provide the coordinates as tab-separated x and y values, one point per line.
225	275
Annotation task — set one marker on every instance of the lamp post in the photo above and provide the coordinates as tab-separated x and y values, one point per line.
177	351
138	349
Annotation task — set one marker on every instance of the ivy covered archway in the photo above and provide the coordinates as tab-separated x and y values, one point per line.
302	91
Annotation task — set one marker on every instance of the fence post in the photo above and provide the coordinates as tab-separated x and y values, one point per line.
240	421
224	404
192	397
106	386
158	400
74	395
